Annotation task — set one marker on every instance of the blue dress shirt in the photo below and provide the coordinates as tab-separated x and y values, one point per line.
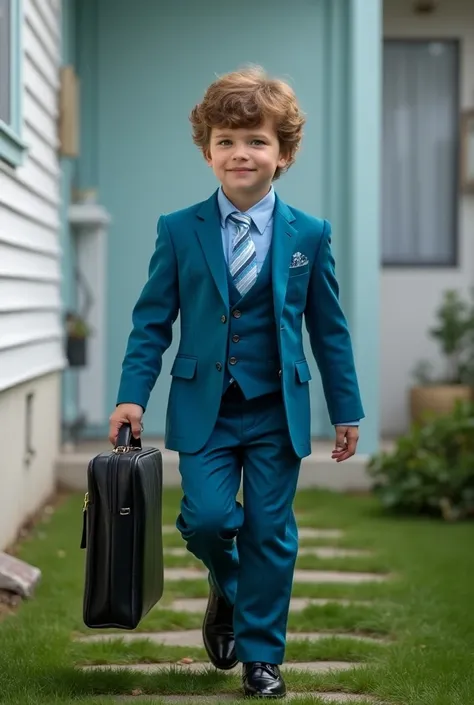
261	231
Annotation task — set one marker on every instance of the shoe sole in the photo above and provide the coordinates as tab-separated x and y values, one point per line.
264	697
209	651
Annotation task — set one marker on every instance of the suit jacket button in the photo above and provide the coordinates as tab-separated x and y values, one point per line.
223	319
279	373
236	314
218	366
233	361
235	338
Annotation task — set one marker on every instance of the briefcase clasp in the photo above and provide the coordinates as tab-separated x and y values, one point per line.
125	449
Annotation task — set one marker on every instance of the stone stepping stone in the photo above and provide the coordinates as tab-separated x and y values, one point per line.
200	667
300	576
227	697
328	552
298	604
169	529
319	552
193	637
304	532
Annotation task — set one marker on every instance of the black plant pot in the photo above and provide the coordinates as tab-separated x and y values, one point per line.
76	351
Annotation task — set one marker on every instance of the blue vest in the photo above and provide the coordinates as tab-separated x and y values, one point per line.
253	360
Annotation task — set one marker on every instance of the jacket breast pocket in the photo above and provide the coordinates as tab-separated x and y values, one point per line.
297	287
299	271
184	367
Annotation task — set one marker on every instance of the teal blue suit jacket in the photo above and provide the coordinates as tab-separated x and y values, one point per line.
187	276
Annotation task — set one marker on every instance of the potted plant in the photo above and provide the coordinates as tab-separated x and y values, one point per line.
454	331
77	332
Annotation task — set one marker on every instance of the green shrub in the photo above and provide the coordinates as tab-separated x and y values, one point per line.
454	332
431	470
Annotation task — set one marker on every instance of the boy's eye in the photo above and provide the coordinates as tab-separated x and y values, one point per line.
225	142
258	142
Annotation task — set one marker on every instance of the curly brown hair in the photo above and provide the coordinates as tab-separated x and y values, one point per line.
246	98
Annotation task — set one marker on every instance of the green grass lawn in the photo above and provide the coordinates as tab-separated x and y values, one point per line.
423	616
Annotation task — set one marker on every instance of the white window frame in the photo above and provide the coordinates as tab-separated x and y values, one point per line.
12	147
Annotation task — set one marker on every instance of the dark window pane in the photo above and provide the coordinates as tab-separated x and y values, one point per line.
420	143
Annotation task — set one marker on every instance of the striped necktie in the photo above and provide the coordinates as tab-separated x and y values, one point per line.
243	264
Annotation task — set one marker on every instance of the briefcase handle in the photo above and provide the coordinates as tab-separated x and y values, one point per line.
125	440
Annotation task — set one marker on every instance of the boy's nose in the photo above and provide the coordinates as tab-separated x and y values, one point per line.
240	153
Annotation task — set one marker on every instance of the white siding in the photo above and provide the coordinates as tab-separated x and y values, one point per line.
30	311
31	347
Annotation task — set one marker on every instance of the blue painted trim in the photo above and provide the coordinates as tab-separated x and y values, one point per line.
364	80
12	148
334	140
87	62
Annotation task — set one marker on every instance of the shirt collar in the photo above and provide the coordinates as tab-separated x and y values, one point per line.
261	213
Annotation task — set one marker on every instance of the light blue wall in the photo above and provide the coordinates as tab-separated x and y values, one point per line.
142	72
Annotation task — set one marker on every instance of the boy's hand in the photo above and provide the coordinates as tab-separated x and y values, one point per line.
125	413
346	442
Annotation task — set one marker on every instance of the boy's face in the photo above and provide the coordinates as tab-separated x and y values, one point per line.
245	159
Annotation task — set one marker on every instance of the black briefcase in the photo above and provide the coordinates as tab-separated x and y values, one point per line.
122	532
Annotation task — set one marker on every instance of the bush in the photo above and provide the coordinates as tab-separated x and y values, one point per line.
431	470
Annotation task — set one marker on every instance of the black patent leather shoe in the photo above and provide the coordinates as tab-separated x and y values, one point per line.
263	680
218	632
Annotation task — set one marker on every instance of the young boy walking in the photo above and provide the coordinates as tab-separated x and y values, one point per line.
243	269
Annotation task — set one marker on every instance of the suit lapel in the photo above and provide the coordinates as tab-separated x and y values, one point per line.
208	230
284	236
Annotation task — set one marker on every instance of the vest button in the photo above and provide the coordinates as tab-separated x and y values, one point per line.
279	373
235	338
223	319
218	366
236	314
233	361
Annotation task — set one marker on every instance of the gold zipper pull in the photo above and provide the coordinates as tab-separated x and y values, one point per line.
84	521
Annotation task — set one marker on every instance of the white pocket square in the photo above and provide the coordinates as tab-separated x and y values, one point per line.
298	260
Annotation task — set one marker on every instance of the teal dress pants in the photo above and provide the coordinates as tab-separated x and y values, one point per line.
250	550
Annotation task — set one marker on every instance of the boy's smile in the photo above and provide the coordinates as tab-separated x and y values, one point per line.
245	160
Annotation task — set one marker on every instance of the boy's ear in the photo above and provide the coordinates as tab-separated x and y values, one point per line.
207	155
283	159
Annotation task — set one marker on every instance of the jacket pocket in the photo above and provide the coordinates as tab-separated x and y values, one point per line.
299	271
302	371
184	367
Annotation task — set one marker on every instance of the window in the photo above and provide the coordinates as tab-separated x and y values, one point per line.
11	146
420	153
5	62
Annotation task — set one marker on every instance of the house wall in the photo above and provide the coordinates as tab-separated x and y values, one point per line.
410	296
27	480
31	350
138	85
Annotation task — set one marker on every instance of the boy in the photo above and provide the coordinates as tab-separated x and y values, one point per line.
243	268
